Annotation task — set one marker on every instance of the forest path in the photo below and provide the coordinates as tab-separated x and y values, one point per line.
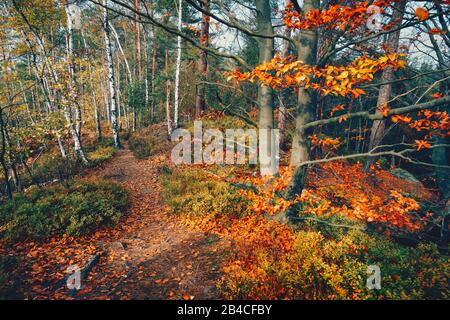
150	254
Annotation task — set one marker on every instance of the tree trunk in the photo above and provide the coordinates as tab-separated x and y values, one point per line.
178	66
2	157
168	118
118	95
106	101
98	127
73	84
74	129
379	126
306	44
282	110
112	89
146	64
200	100
119	46
137	27
153	103
265	98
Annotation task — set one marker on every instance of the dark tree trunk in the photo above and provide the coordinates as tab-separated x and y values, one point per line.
379	126
200	99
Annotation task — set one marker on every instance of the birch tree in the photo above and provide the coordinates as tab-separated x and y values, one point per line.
75	129
111	83
178	65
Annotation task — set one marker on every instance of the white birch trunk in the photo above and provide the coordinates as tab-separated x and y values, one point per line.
177	71
112	89
119	46
73	129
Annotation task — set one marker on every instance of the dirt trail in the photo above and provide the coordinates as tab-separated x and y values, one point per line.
148	255
155	255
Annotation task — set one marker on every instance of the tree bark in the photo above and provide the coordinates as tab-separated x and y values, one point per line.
200	99
153	103
178	66
265	97
98	127
119	46
306	44
112	89
74	129
282	110
2	157
168	118
379	126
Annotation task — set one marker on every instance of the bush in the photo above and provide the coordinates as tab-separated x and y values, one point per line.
320	268
100	155
148	142
269	260
142	147
79	208
51	166
193	193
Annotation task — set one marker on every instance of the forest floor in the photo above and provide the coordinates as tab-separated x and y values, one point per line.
149	255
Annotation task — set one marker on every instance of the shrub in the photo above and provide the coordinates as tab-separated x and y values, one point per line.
141	146
77	209
193	193
55	167
320	268
319	260
100	155
51	166
148	142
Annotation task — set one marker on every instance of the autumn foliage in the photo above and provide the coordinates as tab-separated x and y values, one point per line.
270	260
283	72
342	17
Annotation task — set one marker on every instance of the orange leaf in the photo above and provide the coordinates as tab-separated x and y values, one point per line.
422	144
422	14
436	31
